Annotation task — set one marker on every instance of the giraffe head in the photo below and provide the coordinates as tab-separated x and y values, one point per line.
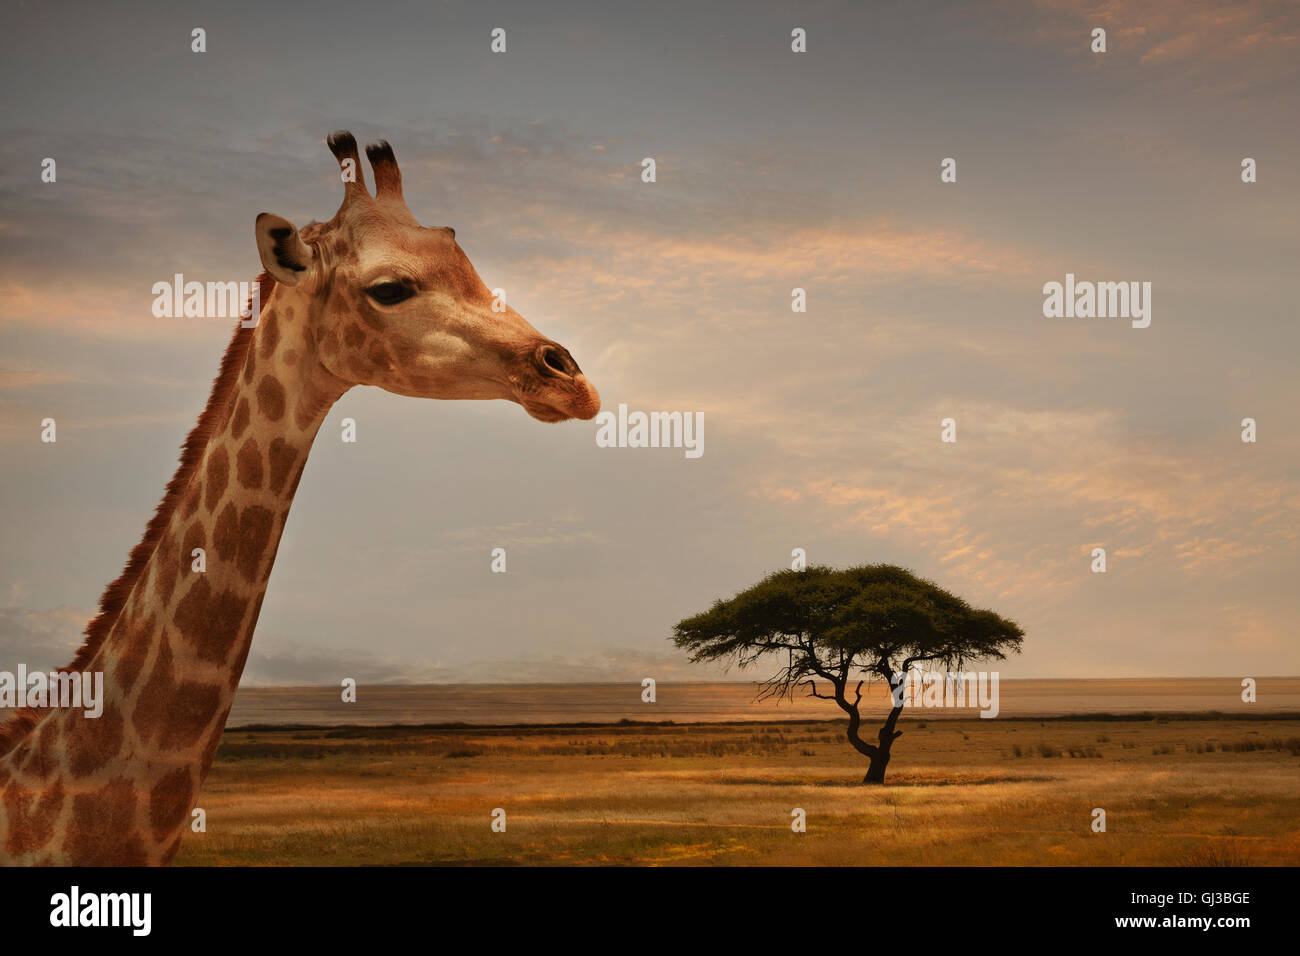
399	305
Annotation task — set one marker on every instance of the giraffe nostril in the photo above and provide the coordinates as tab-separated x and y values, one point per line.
553	360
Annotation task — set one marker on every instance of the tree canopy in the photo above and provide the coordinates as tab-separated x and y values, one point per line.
865	623
877	618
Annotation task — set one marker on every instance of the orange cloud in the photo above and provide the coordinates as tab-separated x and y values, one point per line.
1191	35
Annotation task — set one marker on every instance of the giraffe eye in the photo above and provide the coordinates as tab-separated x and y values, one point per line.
389	293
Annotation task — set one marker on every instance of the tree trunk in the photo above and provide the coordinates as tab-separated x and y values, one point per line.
880	755
876	771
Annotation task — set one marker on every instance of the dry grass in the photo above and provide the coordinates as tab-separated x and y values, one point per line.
1182	792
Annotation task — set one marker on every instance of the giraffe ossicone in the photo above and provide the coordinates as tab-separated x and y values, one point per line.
369	298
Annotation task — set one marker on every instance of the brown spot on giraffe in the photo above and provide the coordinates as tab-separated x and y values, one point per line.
166	566
217	474
281	456
102	831
225	534
404	354
378	355
192	498
255	526
297	477
31	816
239	421
21	753
241	658
210	749
195	537
134	642
152	703
196	704
128	624
92	742
270	335
248	464
270	398
169	802
209	622
328	344
45	758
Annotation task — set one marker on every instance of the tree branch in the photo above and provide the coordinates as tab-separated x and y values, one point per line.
812	690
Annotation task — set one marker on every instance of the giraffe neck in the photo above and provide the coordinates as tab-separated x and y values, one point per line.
120	789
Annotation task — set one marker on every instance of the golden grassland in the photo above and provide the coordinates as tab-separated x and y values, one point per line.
1204	790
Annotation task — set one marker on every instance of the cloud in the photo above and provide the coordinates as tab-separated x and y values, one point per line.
523	535
293	663
1090	479
41	639
1259	39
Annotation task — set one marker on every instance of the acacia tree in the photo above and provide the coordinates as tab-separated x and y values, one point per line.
844	626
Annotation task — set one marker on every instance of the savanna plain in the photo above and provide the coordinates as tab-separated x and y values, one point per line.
1186	789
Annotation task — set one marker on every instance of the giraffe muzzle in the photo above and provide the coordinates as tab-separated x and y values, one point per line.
562	391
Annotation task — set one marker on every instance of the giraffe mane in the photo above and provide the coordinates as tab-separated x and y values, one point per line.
213	416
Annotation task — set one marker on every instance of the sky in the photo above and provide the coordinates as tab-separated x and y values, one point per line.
774	170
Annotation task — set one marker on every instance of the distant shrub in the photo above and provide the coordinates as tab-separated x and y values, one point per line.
1225	853
1291	744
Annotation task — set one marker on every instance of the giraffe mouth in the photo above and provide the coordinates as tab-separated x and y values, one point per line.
560	401
545	413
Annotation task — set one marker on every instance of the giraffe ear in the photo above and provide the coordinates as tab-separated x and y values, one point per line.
284	255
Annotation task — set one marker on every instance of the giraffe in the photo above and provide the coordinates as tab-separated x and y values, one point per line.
369	298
